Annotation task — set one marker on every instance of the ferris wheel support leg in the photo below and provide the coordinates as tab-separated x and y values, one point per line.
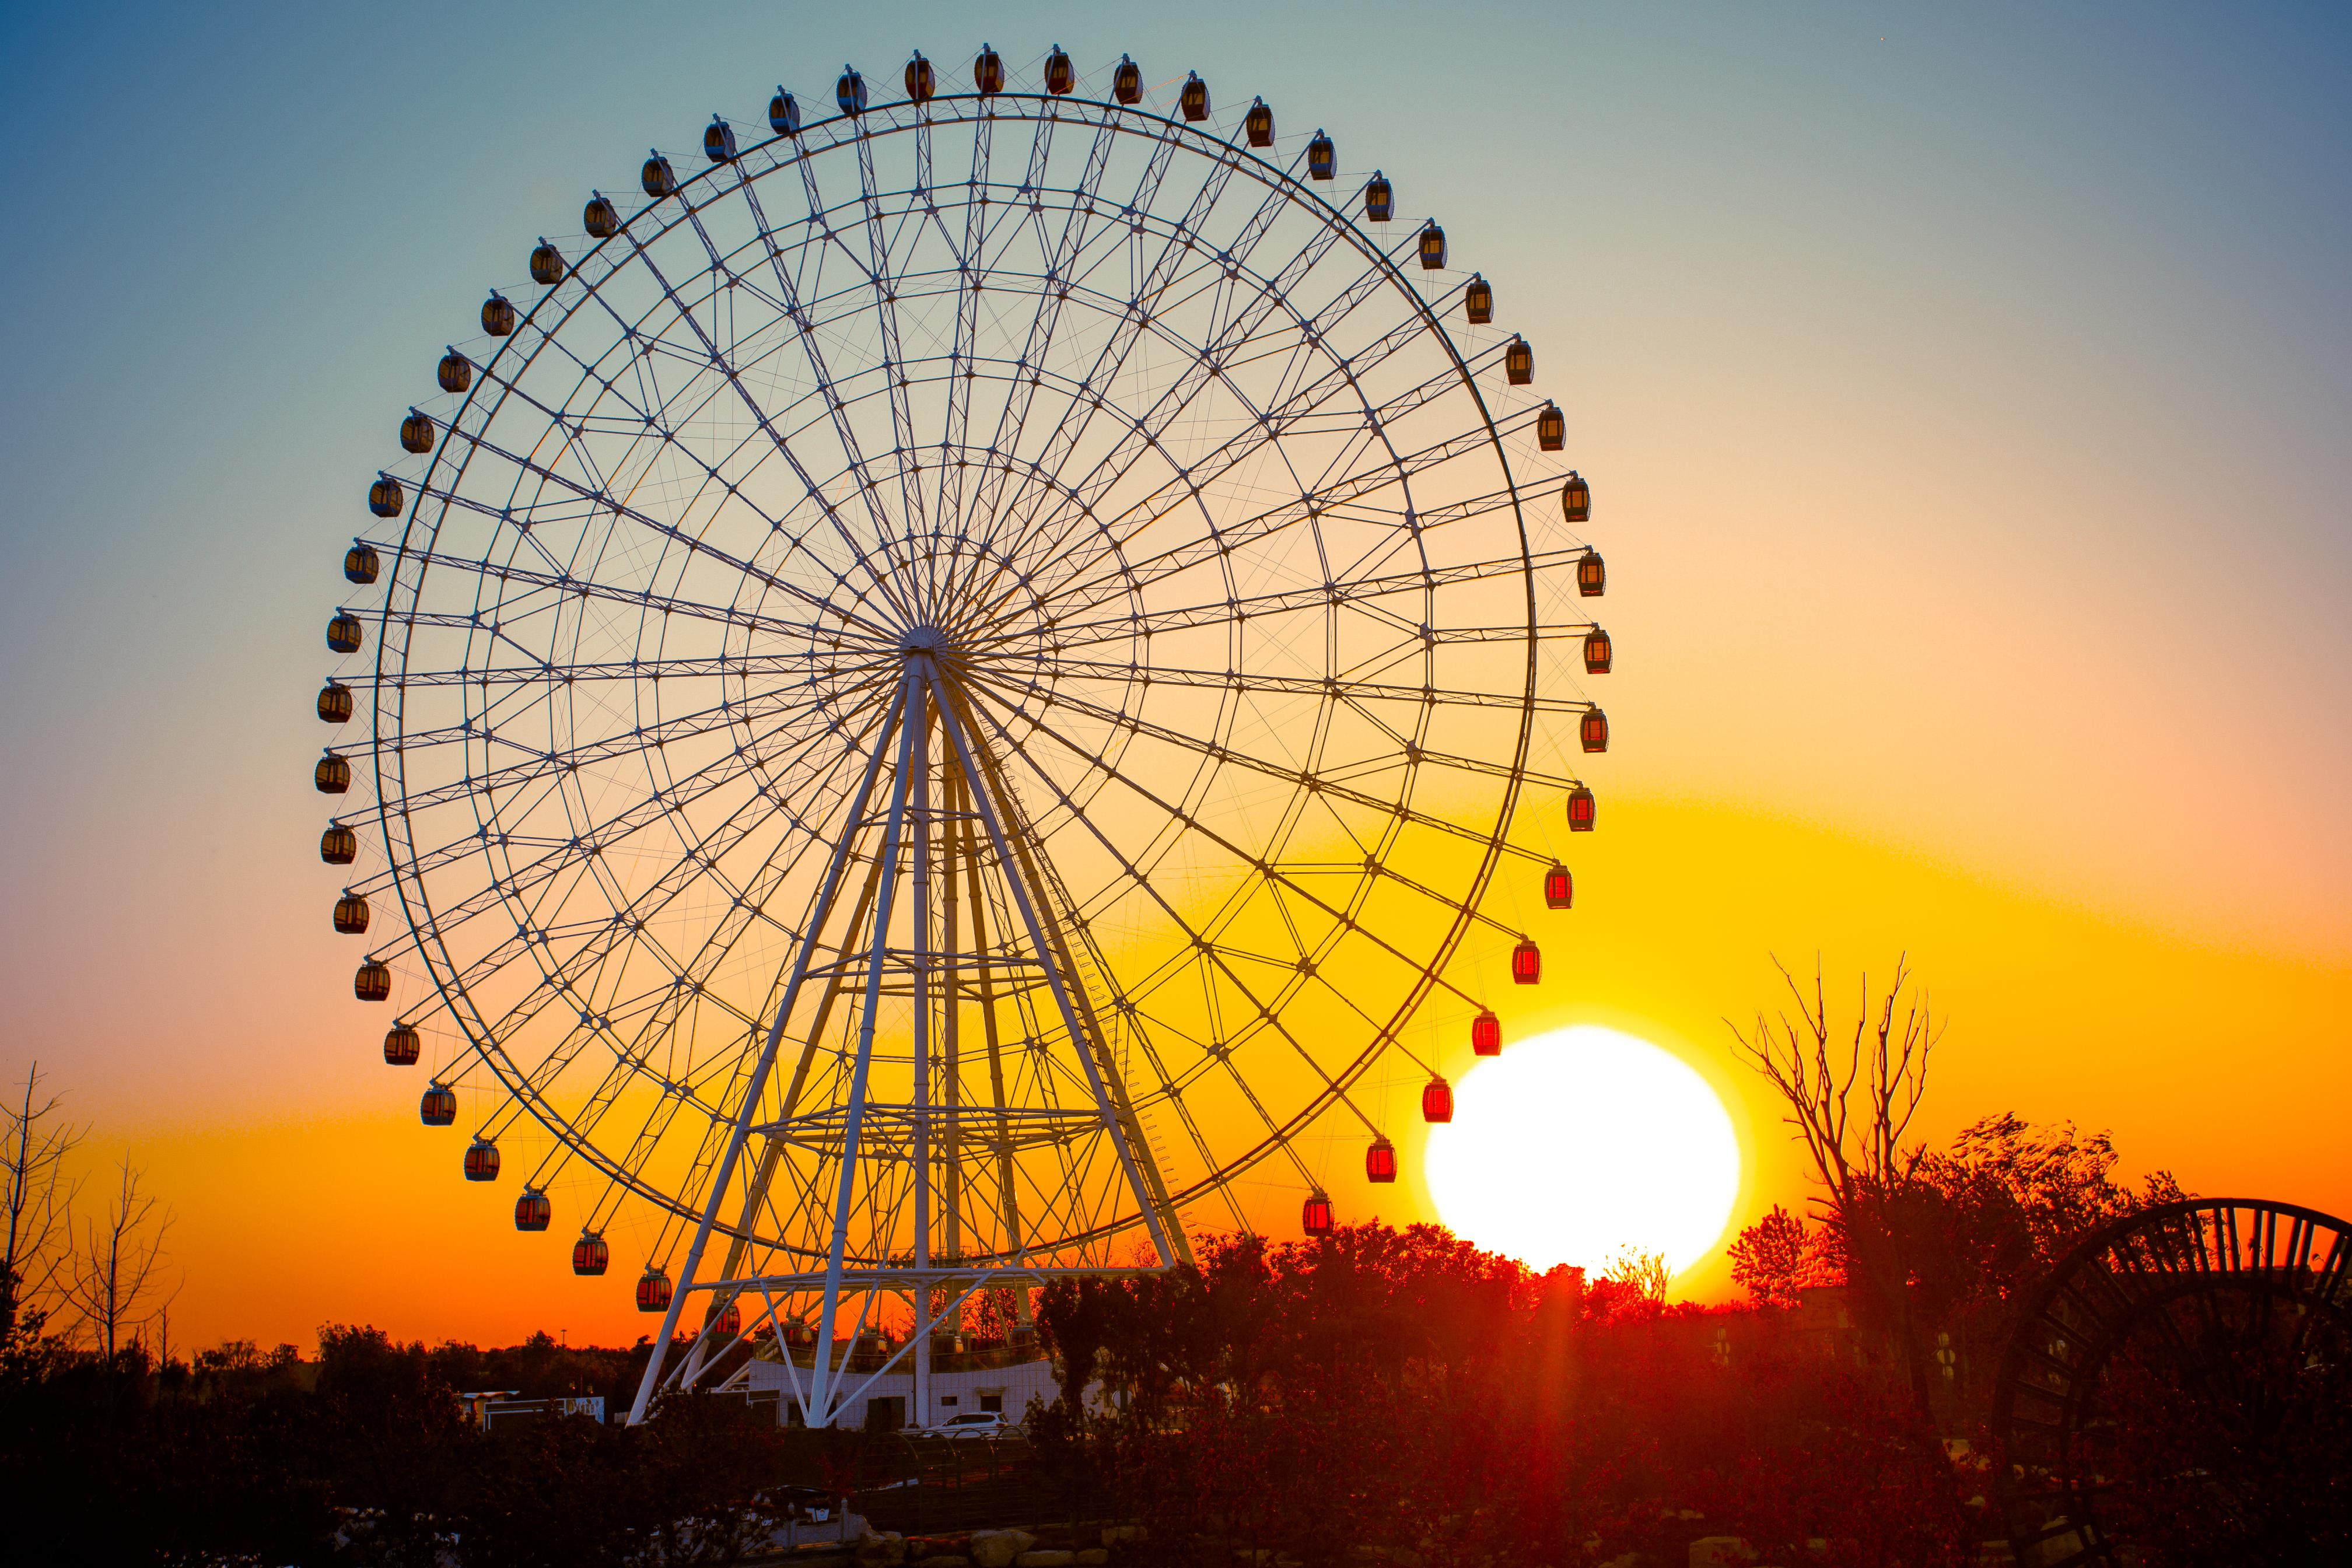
892	839
922	731
751	1090
1051	953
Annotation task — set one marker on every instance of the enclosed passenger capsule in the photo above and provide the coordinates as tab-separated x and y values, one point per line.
1060	76
1596	652
351	915
1433	246
1322	158
338	846
546	264
1592	730
729	1322
600	217
333	774
532	1211
499	316
1314	1214
1478	300
784	113
454	373
653	1291
373	983
1380	198
361	563
1581	808
590	1254
1436	1102
335	703
1519	362
1591	574
1576	498
1559	888
417	433
344	633
922	82
438	1105
1257	125
1381	1162
1551	429
481	1160
718	141
402	1045
849	91
1195	98
1526	964
1127	82
385	499
1486	1035
988	71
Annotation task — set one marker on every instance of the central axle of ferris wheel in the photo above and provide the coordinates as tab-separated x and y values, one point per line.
926	702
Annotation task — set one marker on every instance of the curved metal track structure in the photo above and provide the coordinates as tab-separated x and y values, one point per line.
946	691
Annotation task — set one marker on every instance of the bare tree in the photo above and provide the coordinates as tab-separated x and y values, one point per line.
119	1279
34	1141
1851	1100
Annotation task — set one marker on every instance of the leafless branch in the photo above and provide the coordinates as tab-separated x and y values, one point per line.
34	1142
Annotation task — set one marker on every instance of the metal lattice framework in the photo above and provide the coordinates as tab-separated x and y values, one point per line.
948	689
2180	1390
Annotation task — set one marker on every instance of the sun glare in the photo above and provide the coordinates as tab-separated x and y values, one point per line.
1579	1146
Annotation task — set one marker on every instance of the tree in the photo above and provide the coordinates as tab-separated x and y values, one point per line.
1868	1179
119	1280
34	1146
1778	1258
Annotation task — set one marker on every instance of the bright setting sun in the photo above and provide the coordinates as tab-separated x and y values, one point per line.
1582	1145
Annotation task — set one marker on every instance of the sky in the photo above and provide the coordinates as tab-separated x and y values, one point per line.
1965	394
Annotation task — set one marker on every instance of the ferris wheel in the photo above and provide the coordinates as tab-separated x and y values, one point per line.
940	692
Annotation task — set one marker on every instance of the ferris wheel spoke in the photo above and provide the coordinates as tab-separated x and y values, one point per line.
1326	686
565	585
885	315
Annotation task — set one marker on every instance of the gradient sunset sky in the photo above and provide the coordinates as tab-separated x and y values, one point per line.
1966	392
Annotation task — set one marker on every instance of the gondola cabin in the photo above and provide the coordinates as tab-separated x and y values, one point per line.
785	114
1436	1102
1576	498
499	316
1486	1035
481	1160
438	1106
345	633
590	1256
1380	198
333	774
402	1045
1433	246
656	177
1193	100
338	846
988	71
1592	730
351	915
1127	82
922	83
718	141
335	703
454	373
361	563
417	433
1591	574
1478	300
849	91
1381	1162
600	217
1519	362
1559	888
532	1211
546	265
729	1322
1060	75
653	1291
1322	158
384	497
372	982
1314	1214
1582	810
1257	125
1551	429
1526	964
1596	652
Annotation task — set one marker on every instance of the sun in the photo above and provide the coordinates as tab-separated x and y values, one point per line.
1580	1145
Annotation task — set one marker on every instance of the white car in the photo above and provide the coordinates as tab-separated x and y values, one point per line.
974	1424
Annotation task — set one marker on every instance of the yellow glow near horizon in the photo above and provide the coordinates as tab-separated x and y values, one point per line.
1582	1145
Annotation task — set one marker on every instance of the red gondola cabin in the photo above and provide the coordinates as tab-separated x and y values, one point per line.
532	1211
1381	1162
1596	652
1591	576
1526	964
653	1291
1581	810
1592	730
1576	498
1437	1101
922	82
1314	1214
1559	888
988	71
481	1160
1551	429
1060	75
402	1047
1127	82
1486	1035
590	1254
